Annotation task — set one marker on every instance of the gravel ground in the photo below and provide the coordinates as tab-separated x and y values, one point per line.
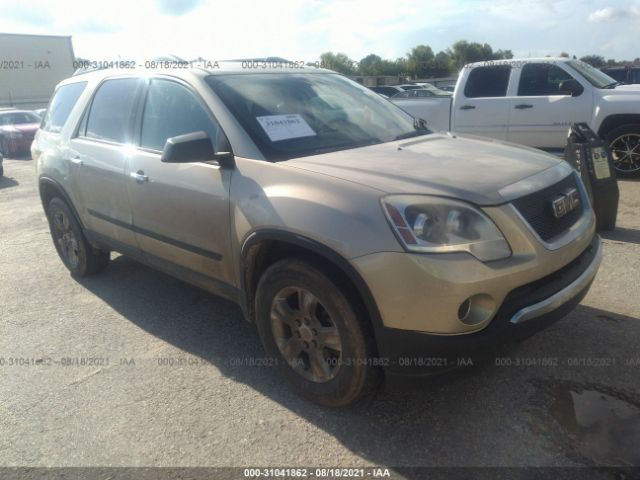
165	387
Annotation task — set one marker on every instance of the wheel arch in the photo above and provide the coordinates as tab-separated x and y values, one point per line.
618	120
49	188
262	248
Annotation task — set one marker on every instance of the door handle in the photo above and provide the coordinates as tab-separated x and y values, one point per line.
139	176
76	160
522	106
468	107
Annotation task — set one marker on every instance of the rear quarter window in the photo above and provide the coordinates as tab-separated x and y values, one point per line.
491	81
63	101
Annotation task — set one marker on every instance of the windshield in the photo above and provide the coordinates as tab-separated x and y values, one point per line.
295	115
594	76
18	118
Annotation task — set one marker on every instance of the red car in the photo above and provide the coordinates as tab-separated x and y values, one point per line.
17	129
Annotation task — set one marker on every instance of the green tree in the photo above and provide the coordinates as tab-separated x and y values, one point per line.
371	65
564	54
420	61
594	60
503	54
463	52
442	65
338	62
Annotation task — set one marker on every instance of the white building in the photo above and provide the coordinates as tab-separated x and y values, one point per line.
31	66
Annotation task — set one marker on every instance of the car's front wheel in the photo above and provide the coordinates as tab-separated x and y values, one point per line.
625	149
320	342
73	248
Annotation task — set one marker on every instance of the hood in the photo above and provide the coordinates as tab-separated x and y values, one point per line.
620	91
463	167
628	88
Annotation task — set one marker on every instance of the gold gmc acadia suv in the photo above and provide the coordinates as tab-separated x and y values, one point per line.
359	242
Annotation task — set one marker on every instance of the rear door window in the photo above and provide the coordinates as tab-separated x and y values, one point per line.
490	81
110	115
63	101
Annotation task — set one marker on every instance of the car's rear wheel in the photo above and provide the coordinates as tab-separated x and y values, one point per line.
625	149
319	341
72	246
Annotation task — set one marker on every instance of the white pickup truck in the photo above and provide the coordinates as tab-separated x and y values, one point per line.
534	102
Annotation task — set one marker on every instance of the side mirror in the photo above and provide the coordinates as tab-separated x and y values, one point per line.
420	124
194	147
571	87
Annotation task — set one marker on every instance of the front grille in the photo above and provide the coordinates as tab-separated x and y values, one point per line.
537	210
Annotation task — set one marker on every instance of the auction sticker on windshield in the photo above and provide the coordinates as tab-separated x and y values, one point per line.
285	127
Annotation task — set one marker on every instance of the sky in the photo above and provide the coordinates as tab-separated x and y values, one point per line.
300	30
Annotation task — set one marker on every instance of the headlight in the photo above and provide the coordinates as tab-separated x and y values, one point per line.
440	225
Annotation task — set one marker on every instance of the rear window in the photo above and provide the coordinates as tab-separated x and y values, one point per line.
63	101
491	81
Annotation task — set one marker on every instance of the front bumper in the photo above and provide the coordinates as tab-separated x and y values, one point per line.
17	145
524	311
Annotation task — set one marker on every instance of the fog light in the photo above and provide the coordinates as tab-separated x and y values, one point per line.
476	309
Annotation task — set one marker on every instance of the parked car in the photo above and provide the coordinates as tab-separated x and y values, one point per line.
534	102
408	86
436	90
386	90
391	90
17	129
420	93
359	243
629	74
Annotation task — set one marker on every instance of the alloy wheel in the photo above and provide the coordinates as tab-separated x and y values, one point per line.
625	150
65	238
306	335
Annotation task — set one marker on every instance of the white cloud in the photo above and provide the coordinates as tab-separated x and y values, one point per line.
298	30
609	14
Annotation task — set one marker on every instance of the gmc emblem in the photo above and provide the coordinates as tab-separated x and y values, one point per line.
563	204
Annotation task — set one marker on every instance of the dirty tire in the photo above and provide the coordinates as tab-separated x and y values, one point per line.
72	246
295	299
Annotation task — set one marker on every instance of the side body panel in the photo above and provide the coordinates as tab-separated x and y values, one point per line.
543	121
486	116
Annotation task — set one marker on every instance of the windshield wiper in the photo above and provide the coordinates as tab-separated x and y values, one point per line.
614	85
420	125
